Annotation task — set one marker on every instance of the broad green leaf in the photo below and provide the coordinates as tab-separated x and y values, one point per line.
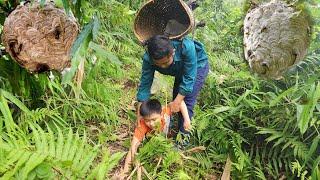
15	101
77	8
82	37
221	109
318	107
281	96
66	6
102	53
96	27
316	169
243	96
313	148
9	124
305	112
78	50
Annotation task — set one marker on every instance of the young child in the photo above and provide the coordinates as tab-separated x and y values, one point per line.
154	119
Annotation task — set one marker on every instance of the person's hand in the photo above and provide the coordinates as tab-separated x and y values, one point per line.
174	106
187	125
176	103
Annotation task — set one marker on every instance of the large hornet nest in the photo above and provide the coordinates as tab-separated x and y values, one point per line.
40	38
276	37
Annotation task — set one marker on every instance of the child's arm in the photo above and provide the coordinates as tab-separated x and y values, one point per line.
130	156
185	115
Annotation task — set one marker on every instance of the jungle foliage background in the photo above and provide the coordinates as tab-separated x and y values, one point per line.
53	126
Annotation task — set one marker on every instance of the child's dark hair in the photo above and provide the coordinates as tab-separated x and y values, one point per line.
149	107
159	46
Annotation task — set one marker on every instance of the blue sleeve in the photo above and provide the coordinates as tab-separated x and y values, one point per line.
145	80
190	67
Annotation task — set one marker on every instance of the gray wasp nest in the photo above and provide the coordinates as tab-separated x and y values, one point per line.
40	38
276	37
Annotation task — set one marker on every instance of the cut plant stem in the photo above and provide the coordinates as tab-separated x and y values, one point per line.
227	170
139	170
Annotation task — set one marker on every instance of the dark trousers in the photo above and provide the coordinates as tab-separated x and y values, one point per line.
191	98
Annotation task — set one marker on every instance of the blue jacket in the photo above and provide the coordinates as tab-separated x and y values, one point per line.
189	56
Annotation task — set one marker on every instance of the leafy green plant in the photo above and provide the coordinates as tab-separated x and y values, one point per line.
46	154
158	150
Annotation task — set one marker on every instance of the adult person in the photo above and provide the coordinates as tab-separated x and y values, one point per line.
186	60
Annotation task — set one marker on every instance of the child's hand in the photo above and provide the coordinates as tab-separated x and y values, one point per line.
187	125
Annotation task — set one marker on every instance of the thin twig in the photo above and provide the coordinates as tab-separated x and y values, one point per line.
58	171
189	158
158	164
139	171
196	149
146	173
132	173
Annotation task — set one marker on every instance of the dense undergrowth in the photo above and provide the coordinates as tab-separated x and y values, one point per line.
51	127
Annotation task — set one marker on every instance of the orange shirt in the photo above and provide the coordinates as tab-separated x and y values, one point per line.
142	129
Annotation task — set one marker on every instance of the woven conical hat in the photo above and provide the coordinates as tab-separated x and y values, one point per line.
158	17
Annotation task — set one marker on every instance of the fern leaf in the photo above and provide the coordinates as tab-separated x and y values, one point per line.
74	147
59	145
259	173
110	163
67	145
36	138
24	158
58	120
34	161
80	154
11	158
51	142
86	163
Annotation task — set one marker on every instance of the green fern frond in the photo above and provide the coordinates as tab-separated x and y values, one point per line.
44	149
108	162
